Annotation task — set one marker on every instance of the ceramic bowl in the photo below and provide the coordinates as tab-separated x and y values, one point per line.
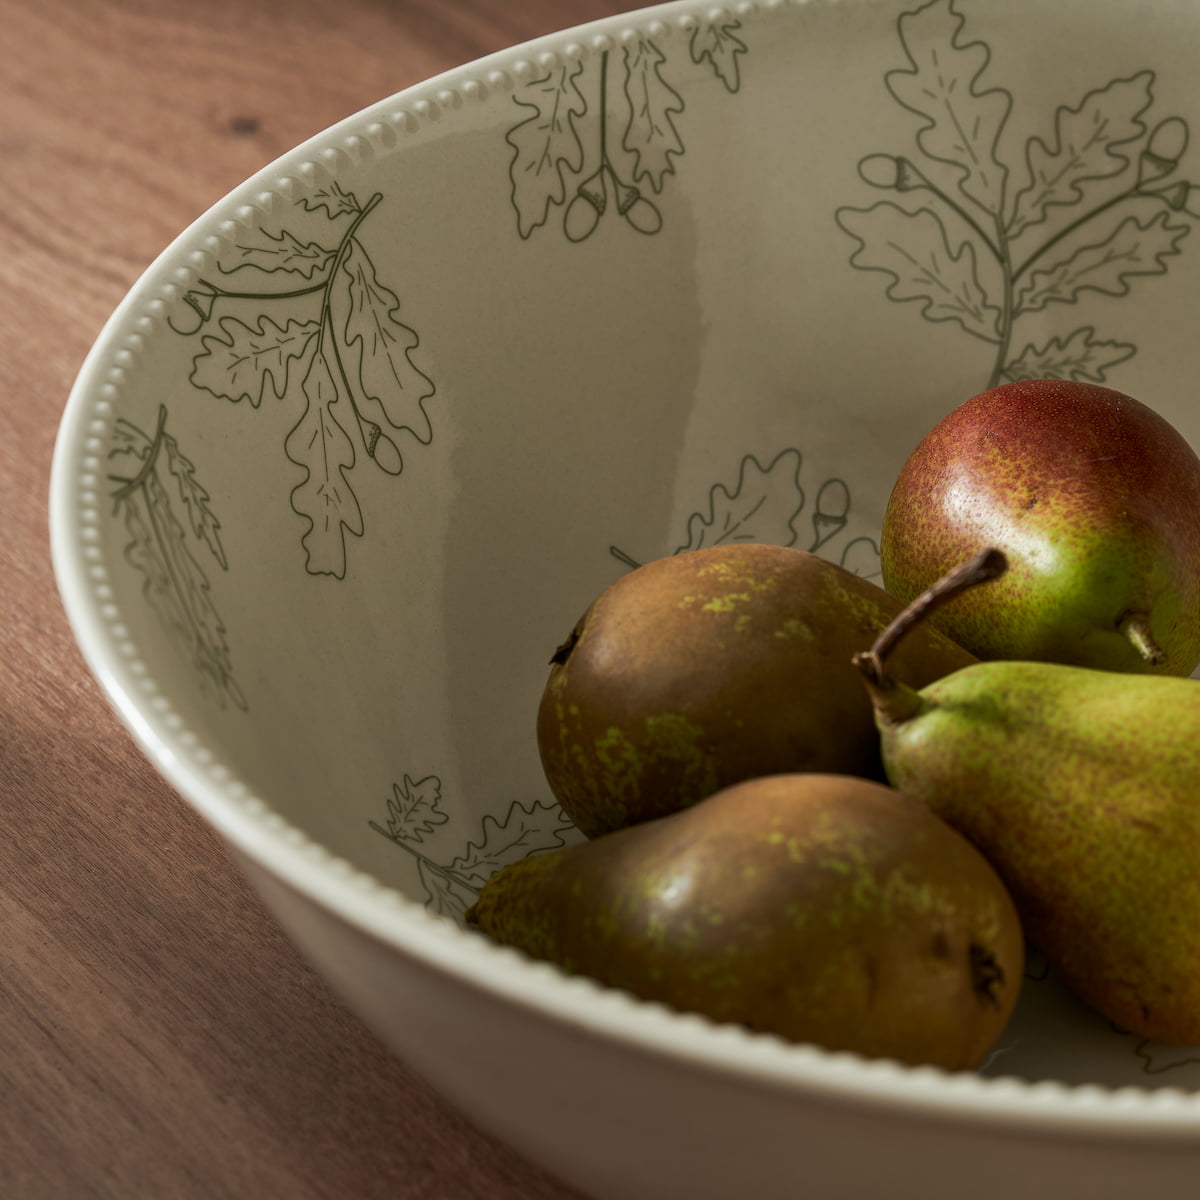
356	451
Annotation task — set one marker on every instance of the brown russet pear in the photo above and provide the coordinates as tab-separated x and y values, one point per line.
1082	788
711	666
821	908
1093	497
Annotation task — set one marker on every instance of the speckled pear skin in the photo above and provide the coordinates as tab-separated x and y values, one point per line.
824	909
696	671
1082	788
1094	498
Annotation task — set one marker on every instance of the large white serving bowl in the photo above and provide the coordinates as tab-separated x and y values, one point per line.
353	455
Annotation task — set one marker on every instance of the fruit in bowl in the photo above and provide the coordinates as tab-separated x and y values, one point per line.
349	460
821	908
1093	496
1075	783
1079	787
713	666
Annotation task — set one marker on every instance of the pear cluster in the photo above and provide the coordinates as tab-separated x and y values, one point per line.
835	812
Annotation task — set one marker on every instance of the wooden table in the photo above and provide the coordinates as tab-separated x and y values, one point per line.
159	1038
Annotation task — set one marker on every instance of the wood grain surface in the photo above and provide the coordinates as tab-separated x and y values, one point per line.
159	1038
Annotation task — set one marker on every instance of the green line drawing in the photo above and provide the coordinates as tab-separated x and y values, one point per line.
570	152
452	880
332	348
1158	1058
765	505
982	239
157	484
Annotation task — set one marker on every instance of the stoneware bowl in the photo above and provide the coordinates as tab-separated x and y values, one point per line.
353	455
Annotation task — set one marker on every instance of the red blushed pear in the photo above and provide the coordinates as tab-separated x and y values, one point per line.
1095	500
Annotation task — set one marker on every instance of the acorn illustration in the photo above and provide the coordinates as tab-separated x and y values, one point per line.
1168	141
588	203
636	209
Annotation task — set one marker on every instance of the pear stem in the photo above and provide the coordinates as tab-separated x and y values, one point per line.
894	701
1136	627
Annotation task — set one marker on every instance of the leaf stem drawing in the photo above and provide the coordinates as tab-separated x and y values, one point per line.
368	430
571	137
346	369
202	301
129	486
1007	313
1095	208
592	194
450	876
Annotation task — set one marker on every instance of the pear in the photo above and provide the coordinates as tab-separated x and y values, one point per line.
696	671
821	908
1094	499
1082	788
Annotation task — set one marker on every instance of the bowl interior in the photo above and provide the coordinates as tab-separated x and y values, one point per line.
351	459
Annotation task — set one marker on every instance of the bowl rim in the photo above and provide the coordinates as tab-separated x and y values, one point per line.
248	823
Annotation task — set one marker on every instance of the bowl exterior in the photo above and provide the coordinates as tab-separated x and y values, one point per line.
620	1124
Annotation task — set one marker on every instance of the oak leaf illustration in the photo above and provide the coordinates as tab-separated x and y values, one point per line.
1134	248
1158	1057
319	444
378	348
526	829
1089	143
1080	356
545	145
714	40
175	585
762	506
248	362
333	198
195	497
650	134
284	251
962	120
444	895
413	810
914	249
160	546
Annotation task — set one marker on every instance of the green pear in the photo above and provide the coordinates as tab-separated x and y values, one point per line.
1082	788
711	666
1094	499
821	908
